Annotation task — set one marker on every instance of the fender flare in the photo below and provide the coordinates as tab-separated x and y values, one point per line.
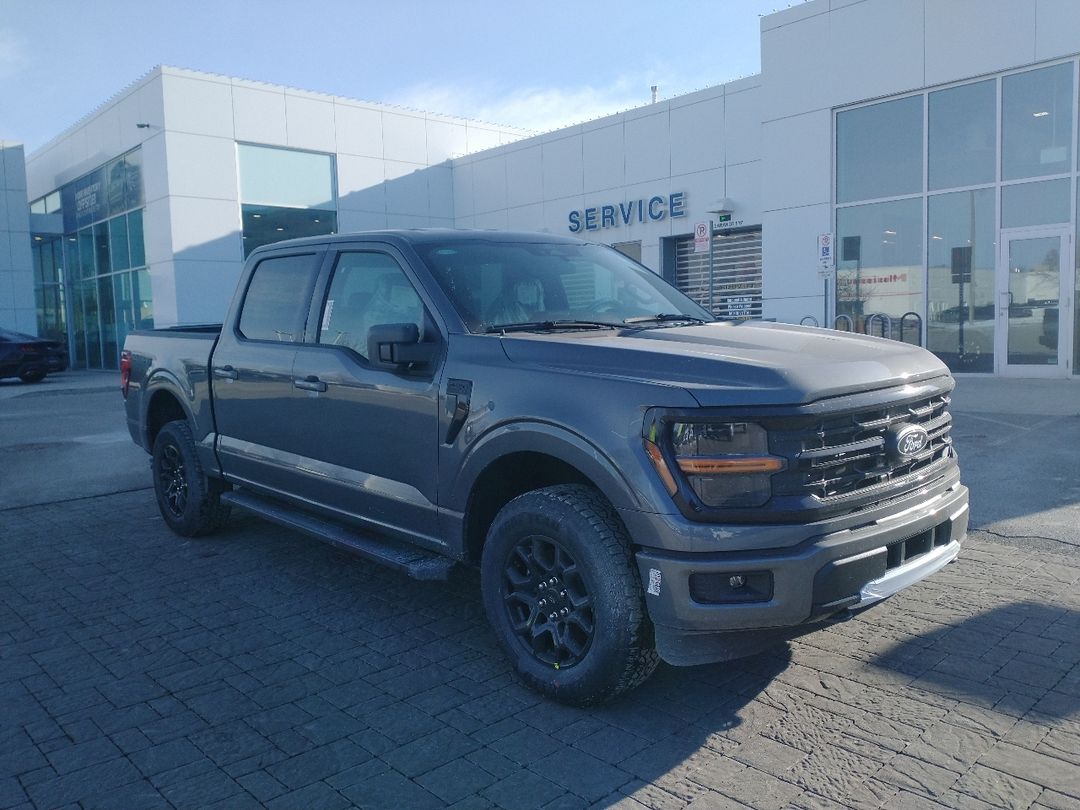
535	436
164	381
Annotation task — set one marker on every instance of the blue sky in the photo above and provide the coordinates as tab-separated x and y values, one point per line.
537	65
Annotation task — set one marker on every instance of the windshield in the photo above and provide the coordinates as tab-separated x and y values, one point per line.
496	284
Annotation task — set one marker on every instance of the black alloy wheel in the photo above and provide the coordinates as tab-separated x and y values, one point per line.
564	597
189	500
171	476
548	601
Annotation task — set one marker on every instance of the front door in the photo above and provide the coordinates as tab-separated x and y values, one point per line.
1034	302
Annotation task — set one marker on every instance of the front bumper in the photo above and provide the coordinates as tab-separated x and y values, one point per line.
793	587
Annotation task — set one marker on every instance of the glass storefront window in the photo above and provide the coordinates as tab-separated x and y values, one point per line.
285	177
962	135
961	257
1036	122
1044	203
135	238
118	243
110	351
1076	302
264	224
86	253
144	301
879	264
101	246
879	150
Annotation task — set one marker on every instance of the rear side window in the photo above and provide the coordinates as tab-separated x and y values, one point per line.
277	299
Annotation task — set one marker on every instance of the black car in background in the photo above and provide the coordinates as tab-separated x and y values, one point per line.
30	358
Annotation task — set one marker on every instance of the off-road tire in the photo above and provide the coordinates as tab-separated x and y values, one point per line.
620	653
175	461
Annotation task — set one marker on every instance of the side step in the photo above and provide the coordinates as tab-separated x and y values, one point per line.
416	563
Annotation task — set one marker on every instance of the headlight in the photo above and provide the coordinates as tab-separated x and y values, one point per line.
727	464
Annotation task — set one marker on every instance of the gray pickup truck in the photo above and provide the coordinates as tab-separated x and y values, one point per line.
635	480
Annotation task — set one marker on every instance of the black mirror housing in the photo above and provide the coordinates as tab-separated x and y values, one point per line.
396	345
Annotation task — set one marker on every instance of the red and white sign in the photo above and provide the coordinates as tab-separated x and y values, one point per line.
701	237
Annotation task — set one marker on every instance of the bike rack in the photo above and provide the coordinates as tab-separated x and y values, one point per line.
847	319
811	318
886	324
918	323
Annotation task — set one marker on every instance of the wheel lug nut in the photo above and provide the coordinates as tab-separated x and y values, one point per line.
564	612
562	593
543	602
552	581
553	616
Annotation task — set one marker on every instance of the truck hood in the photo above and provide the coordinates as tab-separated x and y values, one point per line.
742	363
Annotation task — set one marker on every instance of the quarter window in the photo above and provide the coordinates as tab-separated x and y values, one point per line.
277	299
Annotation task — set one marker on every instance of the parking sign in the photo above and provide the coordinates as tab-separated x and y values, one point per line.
701	237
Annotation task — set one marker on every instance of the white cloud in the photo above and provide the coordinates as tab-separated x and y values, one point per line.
534	108
12	54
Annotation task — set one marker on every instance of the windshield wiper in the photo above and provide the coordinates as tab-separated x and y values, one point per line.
665	317
533	326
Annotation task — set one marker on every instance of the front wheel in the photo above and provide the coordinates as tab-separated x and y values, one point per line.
33	375
564	598
188	500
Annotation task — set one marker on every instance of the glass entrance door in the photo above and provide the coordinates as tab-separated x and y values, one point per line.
1034	292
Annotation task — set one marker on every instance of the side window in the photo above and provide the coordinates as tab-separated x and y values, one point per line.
277	299
367	289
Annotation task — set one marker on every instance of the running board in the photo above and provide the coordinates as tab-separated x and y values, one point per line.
413	562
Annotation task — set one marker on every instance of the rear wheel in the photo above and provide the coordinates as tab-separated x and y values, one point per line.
564	598
188	500
32	375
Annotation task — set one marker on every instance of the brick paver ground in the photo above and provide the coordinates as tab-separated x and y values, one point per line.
260	668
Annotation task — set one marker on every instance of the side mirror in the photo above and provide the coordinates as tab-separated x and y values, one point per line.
393	346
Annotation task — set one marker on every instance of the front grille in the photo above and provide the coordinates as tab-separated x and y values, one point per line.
904	551
843	457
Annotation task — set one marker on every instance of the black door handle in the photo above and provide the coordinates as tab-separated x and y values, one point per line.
226	373
310	383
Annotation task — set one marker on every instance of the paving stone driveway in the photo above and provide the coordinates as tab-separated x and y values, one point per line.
261	668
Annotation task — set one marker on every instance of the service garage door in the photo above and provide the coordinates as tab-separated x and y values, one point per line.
736	273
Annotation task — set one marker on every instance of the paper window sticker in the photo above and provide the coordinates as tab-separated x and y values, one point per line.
327	313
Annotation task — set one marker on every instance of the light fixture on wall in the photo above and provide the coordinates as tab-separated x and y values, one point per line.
143	125
723	206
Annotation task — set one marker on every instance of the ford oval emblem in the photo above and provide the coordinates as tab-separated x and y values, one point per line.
906	441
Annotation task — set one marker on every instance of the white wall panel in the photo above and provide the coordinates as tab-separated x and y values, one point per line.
967	37
203	106
648	148
155	168
404	138
1057	28
524	176
163	293
697	136
489	184
562	166
359	130
157	231
349	221
742	125
201	166
259	115
796	169
103	137
795	68
309	123
205	230
361	184
702	189
406	189
464	199
604	157
440	191
478	138
789	256
875	48
445	140
744	189
493	219
18	213
204	289
526	217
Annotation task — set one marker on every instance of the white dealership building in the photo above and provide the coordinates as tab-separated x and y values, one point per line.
903	167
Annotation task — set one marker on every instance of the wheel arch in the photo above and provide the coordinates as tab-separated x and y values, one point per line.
520	458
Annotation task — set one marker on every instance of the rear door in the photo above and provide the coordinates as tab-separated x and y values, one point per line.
260	433
371	434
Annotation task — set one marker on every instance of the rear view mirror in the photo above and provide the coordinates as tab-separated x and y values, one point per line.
396	345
